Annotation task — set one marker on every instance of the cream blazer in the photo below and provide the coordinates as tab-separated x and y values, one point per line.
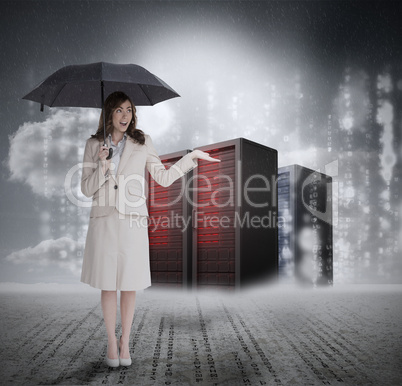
126	189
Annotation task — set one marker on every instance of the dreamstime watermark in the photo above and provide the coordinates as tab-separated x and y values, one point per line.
135	186
130	195
202	220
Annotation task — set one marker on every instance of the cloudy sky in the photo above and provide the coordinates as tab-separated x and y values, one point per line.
321	82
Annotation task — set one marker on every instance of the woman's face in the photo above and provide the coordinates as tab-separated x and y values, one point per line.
122	117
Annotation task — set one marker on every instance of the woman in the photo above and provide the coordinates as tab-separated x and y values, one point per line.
116	255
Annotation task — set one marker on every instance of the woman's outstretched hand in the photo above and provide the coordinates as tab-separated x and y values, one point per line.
202	155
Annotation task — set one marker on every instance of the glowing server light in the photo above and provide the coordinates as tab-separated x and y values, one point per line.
235	215
169	228
305	226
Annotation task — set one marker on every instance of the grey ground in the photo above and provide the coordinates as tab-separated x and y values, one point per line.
349	335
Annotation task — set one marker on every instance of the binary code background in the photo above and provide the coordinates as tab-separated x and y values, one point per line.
265	336
321	82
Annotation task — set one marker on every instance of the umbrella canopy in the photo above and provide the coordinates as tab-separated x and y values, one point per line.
86	85
81	86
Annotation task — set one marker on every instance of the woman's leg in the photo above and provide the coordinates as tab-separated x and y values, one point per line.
109	308
127	305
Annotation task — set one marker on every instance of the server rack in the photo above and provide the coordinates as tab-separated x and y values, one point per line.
305	226
234	215
169	228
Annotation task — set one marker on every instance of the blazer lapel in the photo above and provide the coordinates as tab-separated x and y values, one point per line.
129	147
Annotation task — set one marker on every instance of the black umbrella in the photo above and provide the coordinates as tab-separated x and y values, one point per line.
86	86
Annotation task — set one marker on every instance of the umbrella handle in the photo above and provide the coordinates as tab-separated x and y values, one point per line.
110	151
104	121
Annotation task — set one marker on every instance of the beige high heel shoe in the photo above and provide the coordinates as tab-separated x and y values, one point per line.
124	361
113	362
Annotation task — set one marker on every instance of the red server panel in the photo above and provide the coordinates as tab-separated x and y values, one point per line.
214	219
234	210
166	234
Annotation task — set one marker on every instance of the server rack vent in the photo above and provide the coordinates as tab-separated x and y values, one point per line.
231	248
170	259
286	255
215	244
305	231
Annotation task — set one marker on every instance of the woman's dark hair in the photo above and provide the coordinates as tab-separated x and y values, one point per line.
112	102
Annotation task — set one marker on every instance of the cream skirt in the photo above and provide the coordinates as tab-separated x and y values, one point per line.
116	255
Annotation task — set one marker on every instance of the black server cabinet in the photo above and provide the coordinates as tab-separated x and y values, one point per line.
170	229
235	215
305	226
